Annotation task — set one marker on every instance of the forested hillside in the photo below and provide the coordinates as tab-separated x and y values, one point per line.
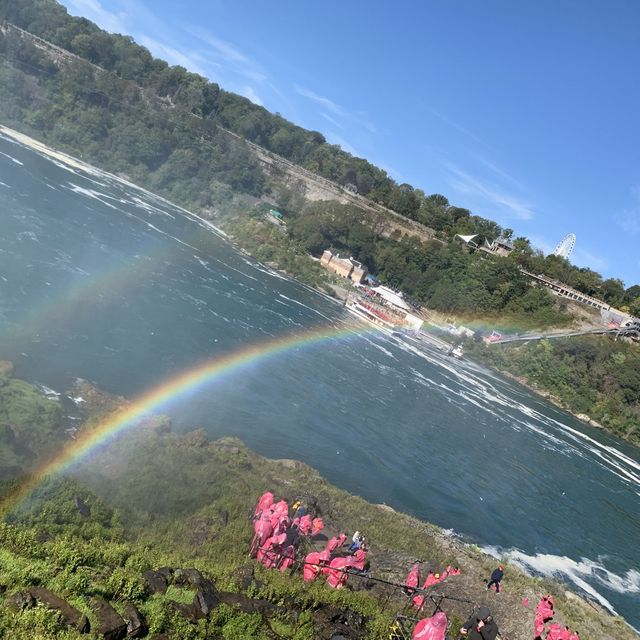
146	134
114	105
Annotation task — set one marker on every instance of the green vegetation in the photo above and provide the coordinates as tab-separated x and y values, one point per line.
163	131
180	501
30	425
599	377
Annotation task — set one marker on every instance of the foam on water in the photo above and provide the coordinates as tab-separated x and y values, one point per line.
6	155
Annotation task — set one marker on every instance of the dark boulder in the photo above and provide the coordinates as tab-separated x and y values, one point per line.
21	600
167	572
154	582
69	615
110	624
246	604
136	625
193	577
206	600
188	611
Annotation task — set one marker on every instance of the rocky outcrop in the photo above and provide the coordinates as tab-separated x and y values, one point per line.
154	582
110	624
136	625
69	615
6	368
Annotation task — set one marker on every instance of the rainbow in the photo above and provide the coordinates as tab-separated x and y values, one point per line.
170	391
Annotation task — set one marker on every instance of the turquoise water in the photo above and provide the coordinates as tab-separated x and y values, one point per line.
103	281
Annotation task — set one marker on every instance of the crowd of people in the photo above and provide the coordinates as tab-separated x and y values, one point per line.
554	630
280	531
433	578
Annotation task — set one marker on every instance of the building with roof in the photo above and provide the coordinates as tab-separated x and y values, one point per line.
345	267
499	247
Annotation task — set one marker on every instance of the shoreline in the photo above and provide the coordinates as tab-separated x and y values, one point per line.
340	292
551	399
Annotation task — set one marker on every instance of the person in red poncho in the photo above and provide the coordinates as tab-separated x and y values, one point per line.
433	628
412	580
265	502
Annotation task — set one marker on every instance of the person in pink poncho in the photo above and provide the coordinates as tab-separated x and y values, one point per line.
335	543
433	628
431	580
555	631
538	627
317	526
313	564
337	572
262	531
305	525
412	580
265	502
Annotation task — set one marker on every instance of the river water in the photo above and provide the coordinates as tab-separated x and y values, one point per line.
103	281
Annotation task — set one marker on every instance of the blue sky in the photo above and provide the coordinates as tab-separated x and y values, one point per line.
527	113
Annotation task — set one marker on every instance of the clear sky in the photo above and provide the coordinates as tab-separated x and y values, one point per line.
527	113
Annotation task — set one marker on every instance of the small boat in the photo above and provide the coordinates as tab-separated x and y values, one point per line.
369	314
457	352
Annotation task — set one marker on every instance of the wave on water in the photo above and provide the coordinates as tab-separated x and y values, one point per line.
306	306
493	395
6	155
584	573
48	392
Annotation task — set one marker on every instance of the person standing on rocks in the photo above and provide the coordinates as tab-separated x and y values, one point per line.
480	626
496	576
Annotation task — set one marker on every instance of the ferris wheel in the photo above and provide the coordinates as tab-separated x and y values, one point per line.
565	247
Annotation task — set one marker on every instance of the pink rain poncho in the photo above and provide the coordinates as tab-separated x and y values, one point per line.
538	627
265	502
272	552
313	565
359	559
544	610
281	507
555	632
305	525
430	581
565	634
336	572
335	543
574	636
413	578
431	628
316	526
282	525
287	559
262	530
418	601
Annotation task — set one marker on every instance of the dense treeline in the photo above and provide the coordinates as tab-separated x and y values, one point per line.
124	130
437	274
115	125
121	55
599	377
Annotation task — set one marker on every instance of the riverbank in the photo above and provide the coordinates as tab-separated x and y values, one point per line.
197	493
